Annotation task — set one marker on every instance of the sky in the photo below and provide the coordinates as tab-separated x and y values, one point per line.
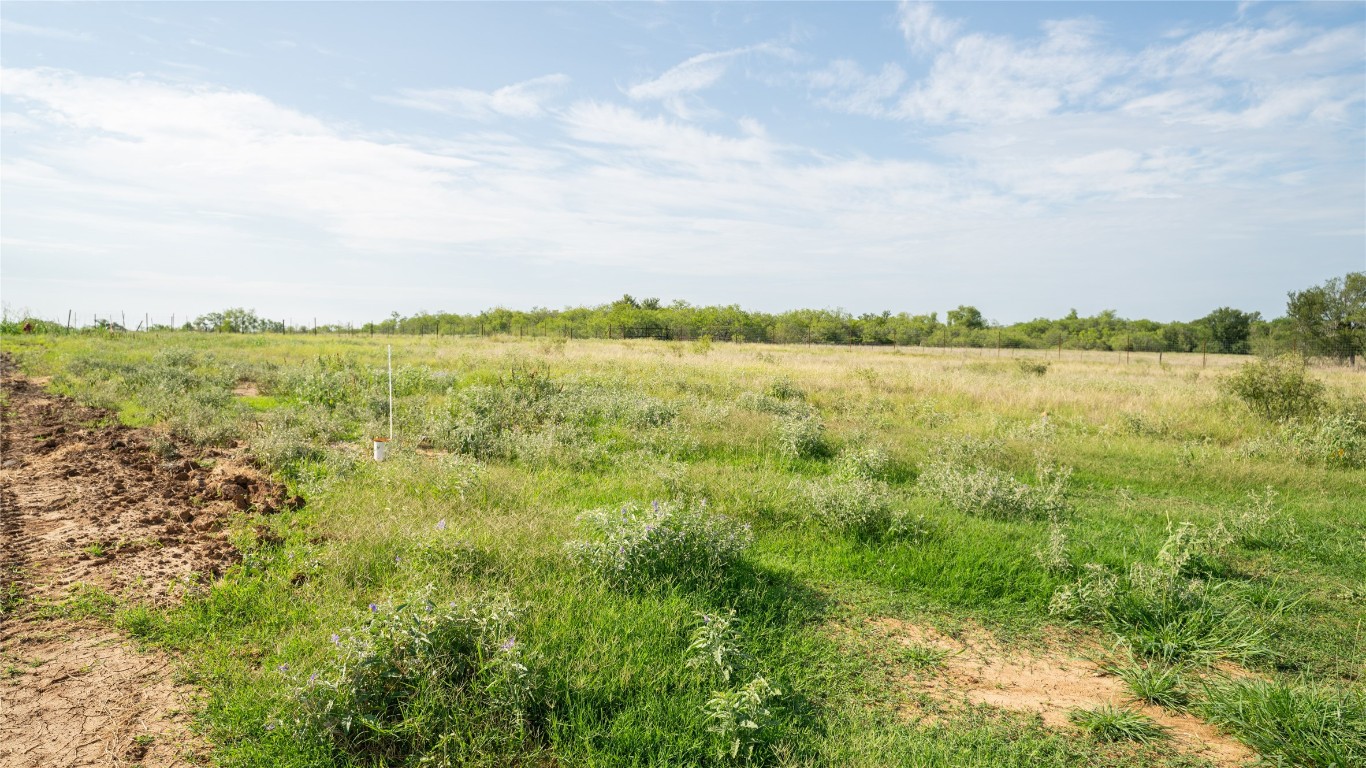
347	160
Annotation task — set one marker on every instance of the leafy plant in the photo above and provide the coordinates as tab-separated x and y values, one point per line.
1316	726
802	436
1277	388
424	681
715	644
679	541
741	717
996	494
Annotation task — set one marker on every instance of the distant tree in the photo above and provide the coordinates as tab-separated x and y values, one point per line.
235	320
650	303
966	317
1229	329
1330	319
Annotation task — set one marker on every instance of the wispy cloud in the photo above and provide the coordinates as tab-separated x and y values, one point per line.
9	27
675	85
524	99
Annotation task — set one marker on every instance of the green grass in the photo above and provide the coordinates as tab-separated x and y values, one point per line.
1111	723
519	439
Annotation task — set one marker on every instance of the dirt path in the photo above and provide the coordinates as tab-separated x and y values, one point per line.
87	509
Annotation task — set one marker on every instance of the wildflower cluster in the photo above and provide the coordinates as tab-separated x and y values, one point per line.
994	493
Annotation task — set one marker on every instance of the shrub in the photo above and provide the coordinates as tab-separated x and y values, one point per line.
868	463
1277	388
783	388
802	436
996	494
421	681
1110	723
1032	367
859	506
663	542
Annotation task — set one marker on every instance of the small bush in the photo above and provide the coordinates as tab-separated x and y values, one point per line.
1110	723
1031	367
783	388
1277	388
992	493
802	436
425	682
868	463
856	505
1304	725
663	542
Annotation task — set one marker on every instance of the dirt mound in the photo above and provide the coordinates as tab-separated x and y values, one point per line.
1050	682
86	501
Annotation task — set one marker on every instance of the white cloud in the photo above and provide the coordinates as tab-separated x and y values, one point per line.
674	87
847	88
924	29
525	99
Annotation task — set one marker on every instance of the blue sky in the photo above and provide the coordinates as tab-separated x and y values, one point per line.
344	160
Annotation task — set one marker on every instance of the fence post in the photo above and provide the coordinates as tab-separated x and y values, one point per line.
1204	352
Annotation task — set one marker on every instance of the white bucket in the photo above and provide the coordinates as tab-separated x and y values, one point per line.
381	448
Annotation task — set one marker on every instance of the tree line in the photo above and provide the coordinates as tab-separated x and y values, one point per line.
1327	320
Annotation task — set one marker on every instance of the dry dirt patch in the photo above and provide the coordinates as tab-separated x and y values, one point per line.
86	501
1050	681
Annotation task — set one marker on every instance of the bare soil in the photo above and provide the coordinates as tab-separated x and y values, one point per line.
86	505
1050	682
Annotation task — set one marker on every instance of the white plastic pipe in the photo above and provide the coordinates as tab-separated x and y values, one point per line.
391	391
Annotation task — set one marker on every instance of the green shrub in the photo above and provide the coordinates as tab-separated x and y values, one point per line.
635	546
996	494
1032	367
859	506
1277	388
1335	439
802	436
423	682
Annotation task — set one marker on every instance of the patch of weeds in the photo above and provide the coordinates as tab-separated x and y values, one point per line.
922	658
863	507
1296	724
1158	684
84	602
715	645
992	493
1031	367
784	388
1110	723
802	436
677	541
1166	611
741	717
1052	554
425	683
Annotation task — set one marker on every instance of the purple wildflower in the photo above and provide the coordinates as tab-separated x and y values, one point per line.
284	667
270	726
336	639
510	643
313	678
374	608
441	524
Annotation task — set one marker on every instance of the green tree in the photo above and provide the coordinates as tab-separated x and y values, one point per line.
1330	319
1229	329
966	317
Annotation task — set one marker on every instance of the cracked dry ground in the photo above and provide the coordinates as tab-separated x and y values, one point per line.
85	502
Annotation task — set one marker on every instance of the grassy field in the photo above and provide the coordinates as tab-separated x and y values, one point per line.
655	553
